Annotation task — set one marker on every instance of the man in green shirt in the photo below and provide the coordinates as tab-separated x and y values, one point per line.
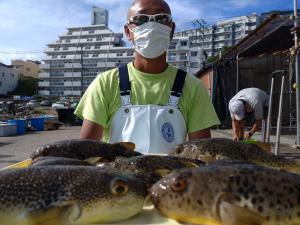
148	101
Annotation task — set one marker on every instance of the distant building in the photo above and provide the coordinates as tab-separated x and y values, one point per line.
27	68
183	56
75	59
99	16
225	33
8	79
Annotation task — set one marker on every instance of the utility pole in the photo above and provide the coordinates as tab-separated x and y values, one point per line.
297	73
201	24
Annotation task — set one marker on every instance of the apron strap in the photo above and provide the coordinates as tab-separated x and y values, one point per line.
176	91
125	88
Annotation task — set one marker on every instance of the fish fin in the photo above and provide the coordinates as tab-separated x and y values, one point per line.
62	215
93	160
207	158
22	164
190	164
127	145
161	172
232	214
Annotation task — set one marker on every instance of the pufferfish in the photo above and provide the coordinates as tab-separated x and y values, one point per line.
213	149
229	194
59	195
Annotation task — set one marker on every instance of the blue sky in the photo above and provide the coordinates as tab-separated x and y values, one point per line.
28	25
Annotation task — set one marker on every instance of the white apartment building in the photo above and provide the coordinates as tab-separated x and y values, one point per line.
183	56
75	59
9	78
224	33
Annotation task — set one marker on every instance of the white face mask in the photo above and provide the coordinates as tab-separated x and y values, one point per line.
151	39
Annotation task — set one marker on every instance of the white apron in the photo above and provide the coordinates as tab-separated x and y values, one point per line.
153	128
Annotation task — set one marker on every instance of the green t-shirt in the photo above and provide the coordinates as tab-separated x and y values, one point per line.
102	98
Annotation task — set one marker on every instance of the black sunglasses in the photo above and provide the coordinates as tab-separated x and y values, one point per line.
140	19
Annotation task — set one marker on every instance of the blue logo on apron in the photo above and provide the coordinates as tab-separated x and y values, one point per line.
167	132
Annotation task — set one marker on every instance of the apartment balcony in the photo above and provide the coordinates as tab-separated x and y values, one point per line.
72	84
44	66
106	64
72	93
70	74
72	65
44	92
44	75
177	58
194	59
44	84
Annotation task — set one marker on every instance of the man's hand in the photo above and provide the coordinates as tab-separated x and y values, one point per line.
235	138
248	135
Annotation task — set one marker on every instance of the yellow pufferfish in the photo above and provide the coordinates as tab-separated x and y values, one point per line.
229	194
59	195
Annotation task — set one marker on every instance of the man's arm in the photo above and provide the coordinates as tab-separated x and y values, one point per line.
255	127
237	129
199	134
90	130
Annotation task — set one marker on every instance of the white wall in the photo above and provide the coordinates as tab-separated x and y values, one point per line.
8	79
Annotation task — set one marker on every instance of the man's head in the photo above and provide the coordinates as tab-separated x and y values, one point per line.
237	108
149	20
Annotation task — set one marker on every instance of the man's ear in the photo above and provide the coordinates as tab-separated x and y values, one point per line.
173	30
127	32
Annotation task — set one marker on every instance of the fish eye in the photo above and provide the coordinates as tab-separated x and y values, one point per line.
178	184
119	187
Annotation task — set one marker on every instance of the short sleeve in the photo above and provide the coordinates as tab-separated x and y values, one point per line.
201	114
93	105
258	111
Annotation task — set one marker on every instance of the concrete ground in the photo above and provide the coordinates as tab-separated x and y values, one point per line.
17	148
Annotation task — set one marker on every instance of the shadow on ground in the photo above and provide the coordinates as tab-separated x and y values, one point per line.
5	143
6	156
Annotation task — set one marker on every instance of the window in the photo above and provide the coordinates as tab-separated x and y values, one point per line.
193	53
194	65
65	48
69	33
227	36
63	57
91	31
119	54
172	46
28	69
95	55
183	43
129	53
68	40
87	47
0	83
89	39
97	46
56	49
227	28
85	55
54	57
3	74
183	56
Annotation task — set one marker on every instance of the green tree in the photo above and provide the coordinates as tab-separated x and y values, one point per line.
213	59
27	86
